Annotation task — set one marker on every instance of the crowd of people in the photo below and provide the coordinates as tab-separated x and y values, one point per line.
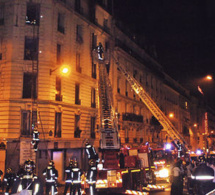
197	176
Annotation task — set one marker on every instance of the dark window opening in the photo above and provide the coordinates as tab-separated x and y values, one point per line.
1	14
60	26
29	86
79	38
77	132
77	91
28	119
92	127
33	14
94	41
78	62
57	131
31	48
58	96
58	54
108	67
93	70
0	56
93	98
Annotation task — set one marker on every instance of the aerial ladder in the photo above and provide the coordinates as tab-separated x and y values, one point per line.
155	110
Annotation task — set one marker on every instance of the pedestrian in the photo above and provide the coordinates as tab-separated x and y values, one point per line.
76	178
9	179
177	179
91	177
68	172
51	175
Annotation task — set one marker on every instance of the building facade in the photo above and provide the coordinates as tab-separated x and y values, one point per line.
37	38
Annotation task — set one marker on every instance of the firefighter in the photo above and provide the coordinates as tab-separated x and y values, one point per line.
20	172
27	180
68	181
91	152
203	176
35	139
91	177
76	178
51	175
100	51
9	179
1	173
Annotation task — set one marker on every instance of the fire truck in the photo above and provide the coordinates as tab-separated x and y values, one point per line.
133	175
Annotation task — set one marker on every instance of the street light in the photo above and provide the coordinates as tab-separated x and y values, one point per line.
64	70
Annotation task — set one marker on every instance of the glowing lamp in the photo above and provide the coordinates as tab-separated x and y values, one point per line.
168	146
198	152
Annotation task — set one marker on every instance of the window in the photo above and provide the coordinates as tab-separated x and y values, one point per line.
33	14
118	85
60	26
27	120
126	88
105	23
58	96
58	54
77	89
57	130
0	56
94	41
29	86
78	6
78	65
92	127
31	48
1	14
93	97
79	34
93	70
77	132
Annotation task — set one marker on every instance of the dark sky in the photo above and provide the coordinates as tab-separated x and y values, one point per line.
183	32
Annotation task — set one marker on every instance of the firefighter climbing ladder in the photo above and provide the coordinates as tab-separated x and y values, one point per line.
151	105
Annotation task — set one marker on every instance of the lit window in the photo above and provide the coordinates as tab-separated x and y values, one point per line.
186	105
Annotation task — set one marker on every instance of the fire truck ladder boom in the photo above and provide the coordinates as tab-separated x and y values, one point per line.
152	106
109	132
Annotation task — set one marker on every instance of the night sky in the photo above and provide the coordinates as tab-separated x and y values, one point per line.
183	32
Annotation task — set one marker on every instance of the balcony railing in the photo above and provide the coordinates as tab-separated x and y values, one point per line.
132	117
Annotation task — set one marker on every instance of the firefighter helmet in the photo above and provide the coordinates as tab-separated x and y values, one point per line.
87	143
92	162
29	165
71	163
51	163
9	170
75	163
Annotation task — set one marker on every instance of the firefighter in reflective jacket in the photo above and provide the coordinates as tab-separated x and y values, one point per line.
9	179
100	51
68	181
28	180
76	179
35	139
203	176
91	153
91	177
51	175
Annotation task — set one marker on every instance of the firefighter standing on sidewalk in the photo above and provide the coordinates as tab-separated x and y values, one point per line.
68	181
9	179
76	179
51	175
91	177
